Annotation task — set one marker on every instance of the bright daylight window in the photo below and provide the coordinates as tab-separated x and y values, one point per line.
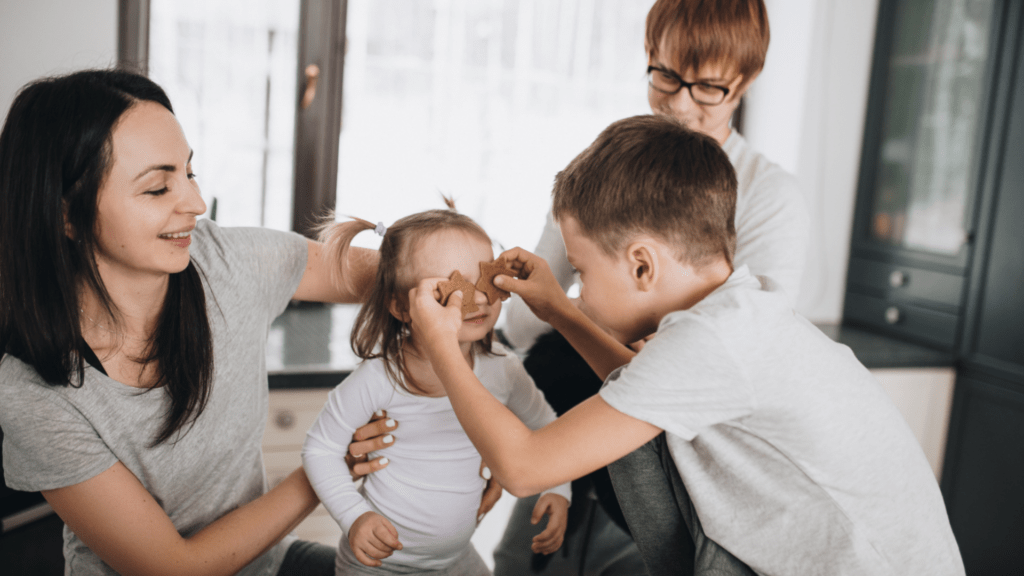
481	100
484	100
229	68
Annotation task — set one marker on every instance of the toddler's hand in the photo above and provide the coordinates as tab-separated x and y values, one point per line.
373	538
557	509
536	284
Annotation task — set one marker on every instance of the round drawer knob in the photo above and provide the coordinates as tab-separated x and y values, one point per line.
892	315
284	419
897	278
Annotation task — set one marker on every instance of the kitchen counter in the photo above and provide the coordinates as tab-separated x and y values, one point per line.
308	347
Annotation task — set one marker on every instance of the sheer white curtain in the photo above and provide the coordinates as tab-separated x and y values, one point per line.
483	100
229	67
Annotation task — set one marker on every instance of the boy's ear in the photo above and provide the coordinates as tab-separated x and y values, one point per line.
643	263
399	312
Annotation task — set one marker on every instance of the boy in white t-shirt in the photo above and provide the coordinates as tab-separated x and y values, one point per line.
794	459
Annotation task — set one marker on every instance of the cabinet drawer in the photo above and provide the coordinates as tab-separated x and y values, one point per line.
292	412
914	322
906	283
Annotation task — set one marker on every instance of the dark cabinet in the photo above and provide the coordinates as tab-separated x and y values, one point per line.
983	479
937	253
932	84
983	476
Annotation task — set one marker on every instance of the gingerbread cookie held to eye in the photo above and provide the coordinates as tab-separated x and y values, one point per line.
455	283
488	270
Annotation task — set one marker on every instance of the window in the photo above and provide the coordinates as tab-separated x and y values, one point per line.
482	100
228	67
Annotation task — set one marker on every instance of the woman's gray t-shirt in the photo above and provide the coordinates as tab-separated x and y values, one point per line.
56	436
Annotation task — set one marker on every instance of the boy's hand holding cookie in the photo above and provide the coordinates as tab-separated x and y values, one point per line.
536	284
557	509
373	538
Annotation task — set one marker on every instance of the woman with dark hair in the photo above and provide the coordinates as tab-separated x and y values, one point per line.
133	382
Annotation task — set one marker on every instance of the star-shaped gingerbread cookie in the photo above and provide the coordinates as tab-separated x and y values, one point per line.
488	270
455	283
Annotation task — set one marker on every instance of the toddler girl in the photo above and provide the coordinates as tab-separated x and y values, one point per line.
417	515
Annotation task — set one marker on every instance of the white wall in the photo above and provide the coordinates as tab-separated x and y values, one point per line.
806	112
43	37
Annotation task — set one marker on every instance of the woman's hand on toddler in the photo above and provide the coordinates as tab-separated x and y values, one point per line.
373	538
557	509
370	437
492	492
536	284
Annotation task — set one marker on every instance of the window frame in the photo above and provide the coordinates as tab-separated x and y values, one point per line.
317	127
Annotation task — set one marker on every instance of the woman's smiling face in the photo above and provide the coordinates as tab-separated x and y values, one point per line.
148	202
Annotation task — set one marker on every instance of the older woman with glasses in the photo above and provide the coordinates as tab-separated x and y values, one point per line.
702	59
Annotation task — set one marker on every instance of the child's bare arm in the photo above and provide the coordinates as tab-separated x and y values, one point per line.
545	297
525	461
556	508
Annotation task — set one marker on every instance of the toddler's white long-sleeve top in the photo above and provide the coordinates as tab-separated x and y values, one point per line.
432	487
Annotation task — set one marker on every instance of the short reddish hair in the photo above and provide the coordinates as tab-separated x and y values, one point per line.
732	33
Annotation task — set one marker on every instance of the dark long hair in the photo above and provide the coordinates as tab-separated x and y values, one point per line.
376	332
55	152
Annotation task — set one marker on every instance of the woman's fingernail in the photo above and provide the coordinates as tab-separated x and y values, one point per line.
480	518
357	455
379	413
388	439
383	461
486	473
390	423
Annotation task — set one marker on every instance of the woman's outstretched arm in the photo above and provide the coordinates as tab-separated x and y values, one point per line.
119	520
316	284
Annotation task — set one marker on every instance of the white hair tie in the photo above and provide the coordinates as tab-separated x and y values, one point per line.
380	229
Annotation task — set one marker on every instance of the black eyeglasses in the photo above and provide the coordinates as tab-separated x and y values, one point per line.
668	82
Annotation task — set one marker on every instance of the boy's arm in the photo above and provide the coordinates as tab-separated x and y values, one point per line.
542	293
525	461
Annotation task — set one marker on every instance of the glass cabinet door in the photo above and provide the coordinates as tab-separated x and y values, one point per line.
935	85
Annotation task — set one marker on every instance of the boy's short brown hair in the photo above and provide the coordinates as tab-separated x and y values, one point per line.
733	33
652	175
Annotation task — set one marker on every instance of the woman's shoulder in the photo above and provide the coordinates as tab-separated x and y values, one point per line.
228	245
27	400
754	170
18	378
